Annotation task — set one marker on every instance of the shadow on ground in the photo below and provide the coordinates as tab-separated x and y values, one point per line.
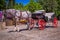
30	29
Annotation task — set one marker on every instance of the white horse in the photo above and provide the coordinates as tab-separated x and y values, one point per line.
23	14
19	15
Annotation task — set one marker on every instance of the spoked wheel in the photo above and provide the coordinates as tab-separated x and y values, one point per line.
41	24
55	22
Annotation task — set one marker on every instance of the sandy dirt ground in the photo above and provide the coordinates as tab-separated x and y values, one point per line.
34	34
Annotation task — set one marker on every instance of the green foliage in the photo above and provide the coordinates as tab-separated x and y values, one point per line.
18	6
40	2
58	1
58	8
11	3
38	6
48	5
32	6
5	4
26	7
57	13
2	4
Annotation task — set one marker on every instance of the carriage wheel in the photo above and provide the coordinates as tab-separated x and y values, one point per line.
55	22
41	24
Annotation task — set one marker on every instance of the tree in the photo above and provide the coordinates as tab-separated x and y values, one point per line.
26	7
58	8
40	2
2	4
18	6
11	3
58	1
33	6
48	5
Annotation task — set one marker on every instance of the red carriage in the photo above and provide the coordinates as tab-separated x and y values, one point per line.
40	20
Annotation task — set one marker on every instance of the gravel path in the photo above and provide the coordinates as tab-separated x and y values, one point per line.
34	34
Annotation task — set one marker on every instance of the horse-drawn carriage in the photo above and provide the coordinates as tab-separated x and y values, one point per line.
38	19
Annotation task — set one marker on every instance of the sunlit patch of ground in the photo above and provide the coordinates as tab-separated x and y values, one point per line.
34	34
